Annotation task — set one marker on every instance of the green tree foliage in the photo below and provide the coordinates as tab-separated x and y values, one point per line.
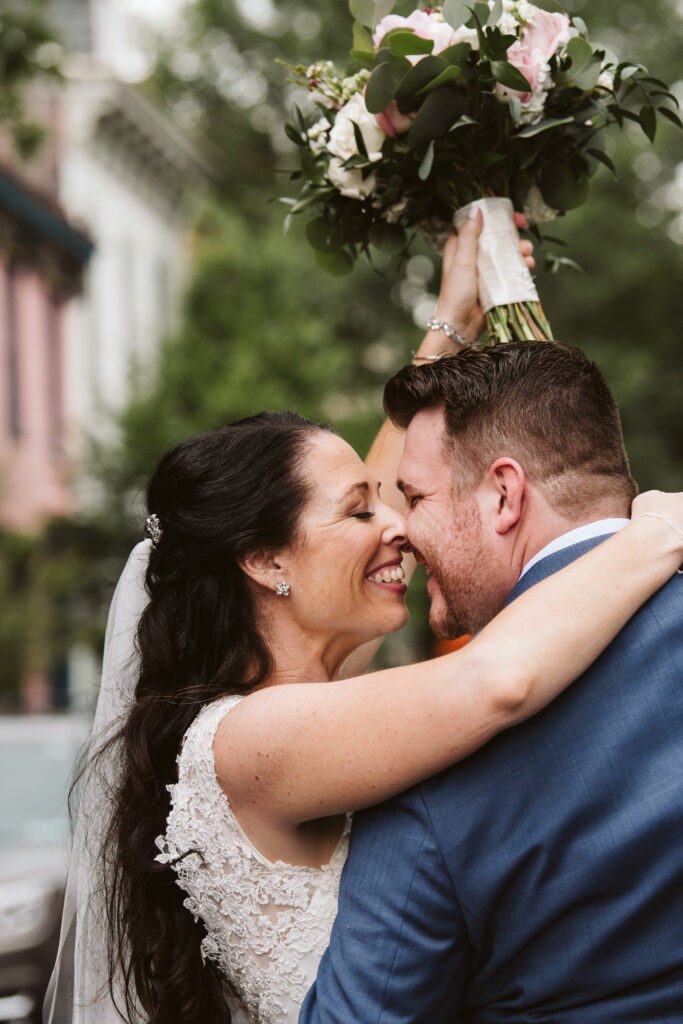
625	306
28	50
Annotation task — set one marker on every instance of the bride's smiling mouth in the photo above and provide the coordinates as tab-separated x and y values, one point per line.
389	576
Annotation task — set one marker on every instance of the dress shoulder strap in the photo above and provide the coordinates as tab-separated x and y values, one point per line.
197	745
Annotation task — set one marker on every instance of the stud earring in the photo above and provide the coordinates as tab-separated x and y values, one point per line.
282	589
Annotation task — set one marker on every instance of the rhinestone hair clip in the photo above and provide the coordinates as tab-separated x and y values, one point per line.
153	529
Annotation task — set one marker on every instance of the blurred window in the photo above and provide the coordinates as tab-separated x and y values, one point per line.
36	775
55	385
12	354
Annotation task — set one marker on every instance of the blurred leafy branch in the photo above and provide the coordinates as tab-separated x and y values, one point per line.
28	50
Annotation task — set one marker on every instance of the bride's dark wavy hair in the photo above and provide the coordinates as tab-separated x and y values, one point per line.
219	497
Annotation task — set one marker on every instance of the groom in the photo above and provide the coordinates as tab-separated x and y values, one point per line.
541	879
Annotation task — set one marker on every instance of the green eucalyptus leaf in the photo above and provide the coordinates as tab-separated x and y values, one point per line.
427	163
369	12
364	58
481	11
321	236
561	189
648	122
507	74
542	126
362	40
389	238
440	110
425	71
475	21
456	12
587	79
496	12
337	263
447	75
550	5
384	82
580	52
403	43
458	54
515	108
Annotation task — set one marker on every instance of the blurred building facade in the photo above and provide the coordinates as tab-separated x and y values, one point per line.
42	261
95	239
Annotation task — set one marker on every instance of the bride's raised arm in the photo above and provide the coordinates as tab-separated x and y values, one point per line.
459	308
293	753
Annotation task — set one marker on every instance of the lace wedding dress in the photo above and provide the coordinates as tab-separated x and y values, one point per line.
267	924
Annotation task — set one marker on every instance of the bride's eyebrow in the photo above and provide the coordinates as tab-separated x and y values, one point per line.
362	485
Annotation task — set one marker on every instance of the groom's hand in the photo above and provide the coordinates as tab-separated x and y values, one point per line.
459	296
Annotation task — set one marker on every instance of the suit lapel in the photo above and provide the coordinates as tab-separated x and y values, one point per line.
553	563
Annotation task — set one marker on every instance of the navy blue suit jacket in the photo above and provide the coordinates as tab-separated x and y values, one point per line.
541	879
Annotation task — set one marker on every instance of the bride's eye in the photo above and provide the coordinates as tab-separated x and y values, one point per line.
362	515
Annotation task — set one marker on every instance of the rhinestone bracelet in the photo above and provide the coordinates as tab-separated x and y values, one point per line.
433	324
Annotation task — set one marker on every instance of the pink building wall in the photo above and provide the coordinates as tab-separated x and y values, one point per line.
34	478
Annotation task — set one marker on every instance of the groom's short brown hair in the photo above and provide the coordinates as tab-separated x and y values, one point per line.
542	403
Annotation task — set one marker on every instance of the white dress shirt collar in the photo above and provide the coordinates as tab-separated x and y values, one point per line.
565	540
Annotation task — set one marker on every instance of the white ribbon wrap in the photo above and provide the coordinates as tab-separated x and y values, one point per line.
503	275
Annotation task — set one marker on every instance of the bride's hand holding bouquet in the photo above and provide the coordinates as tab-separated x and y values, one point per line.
502	103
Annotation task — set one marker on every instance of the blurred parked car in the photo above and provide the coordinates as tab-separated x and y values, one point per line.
37	756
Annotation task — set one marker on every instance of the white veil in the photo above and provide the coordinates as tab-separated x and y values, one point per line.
79	988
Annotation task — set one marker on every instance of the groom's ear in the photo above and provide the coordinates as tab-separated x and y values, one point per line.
262	567
508	483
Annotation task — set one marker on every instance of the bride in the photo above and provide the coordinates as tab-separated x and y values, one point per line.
214	819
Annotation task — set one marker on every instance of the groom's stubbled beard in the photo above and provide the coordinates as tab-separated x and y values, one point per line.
467	598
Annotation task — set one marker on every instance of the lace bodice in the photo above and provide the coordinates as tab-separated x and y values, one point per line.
267	924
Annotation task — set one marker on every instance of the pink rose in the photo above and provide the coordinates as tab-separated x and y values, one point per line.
520	58
424	24
392	121
541	37
545	33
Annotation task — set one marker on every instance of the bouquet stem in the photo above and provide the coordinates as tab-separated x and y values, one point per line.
518	321
506	288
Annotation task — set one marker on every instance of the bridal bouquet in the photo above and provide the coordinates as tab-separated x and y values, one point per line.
502	103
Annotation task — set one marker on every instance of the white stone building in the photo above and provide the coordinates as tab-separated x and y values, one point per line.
133	182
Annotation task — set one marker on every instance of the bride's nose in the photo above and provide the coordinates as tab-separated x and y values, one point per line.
393	527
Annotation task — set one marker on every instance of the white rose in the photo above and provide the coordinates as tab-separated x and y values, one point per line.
350	181
465	35
342	142
606	81
316	136
536	208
